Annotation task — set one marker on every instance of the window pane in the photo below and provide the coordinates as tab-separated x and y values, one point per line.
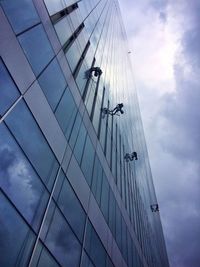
124	241
8	92
81	78
42	258
73	55
86	262
75	130
63	30
54	6
94	247
30	138
97	180
21	14
37	48
112	208
66	112
109	262
88	159
16	239
72	209
62	242
105	197
78	149
118	233
19	181
52	83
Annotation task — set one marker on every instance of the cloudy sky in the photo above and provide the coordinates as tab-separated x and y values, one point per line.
164	37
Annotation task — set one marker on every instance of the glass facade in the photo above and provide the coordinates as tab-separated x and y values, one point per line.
68	196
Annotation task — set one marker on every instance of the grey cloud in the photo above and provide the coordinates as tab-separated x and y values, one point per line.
181	110
160	6
163	16
191	41
172	125
179	142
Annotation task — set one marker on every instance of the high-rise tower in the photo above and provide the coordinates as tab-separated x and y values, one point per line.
75	182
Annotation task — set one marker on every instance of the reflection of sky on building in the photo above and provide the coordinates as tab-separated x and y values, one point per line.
62	242
17	177
119	84
14	236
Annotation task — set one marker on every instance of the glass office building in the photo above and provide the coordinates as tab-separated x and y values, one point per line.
71	191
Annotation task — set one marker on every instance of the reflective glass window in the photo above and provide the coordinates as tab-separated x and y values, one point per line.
118	232
109	262
52	83
94	247
54	6
112	213
75	18
81	77
75	130
30	138
37	48
105	197
9	92
97	180
73	55
19	181
90	96
43	258
71	208
63	30
16	239
86	262
108	147
97	114
59	182
102	131
124	240
130	249
78	149
87	161
21	14
61	241
66	112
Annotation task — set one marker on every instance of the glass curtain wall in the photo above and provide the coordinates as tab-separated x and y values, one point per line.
64	68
